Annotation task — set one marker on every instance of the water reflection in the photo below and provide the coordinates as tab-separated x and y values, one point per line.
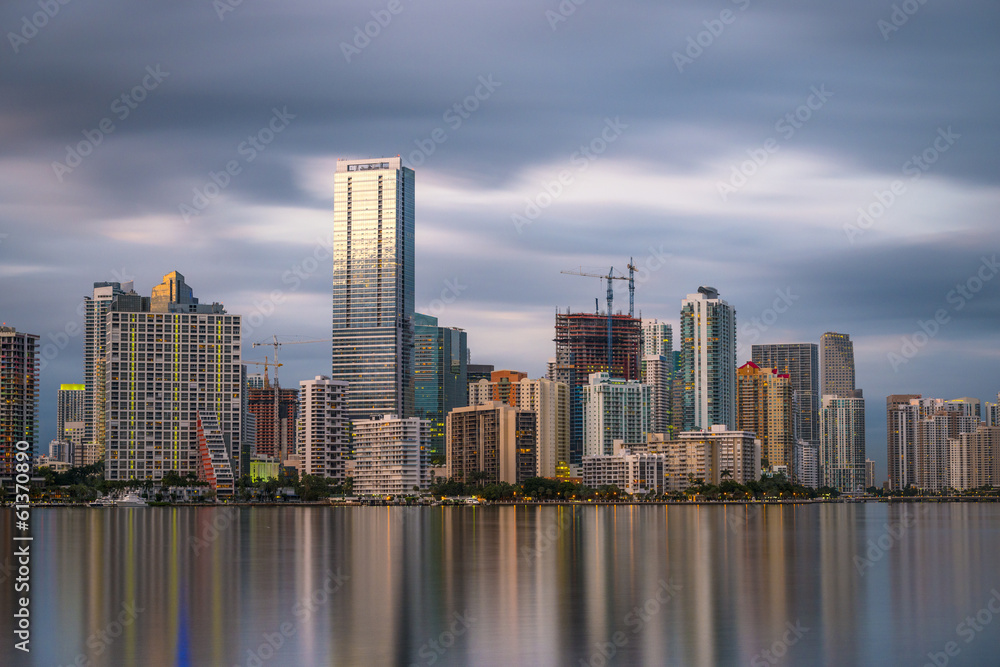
832	584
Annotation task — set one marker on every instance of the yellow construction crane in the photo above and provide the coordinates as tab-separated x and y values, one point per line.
611	293
276	344
265	364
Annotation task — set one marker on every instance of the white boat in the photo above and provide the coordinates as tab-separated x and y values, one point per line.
131	499
106	501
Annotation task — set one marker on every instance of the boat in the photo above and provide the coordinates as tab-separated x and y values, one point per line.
131	499
106	501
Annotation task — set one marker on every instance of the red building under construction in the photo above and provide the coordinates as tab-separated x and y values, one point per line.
276	411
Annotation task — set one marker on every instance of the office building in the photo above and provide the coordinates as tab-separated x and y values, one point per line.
19	361
708	349
764	406
173	387
582	349
373	264
842	443
495	439
441	381
614	409
836	364
391	456
869	473
800	362
325	435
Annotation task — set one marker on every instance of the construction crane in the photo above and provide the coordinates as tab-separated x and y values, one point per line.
276	344
265	364
611	293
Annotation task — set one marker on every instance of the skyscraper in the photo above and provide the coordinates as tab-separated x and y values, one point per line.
173	388
657	338
441	381
764	406
836	363
582	349
842	443
614	409
495	439
899	430
71	415
373	264
708	349
95	308
19	391
800	361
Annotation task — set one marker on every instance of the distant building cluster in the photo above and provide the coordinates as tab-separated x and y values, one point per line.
167	389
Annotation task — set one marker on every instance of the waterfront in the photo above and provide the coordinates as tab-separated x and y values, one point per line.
838	584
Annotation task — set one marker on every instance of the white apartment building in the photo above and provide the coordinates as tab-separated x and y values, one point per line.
323	437
391	455
614	409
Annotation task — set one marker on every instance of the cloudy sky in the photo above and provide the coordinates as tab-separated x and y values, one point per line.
727	143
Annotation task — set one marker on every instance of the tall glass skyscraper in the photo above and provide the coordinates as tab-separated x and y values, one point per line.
801	362
441	375
373	261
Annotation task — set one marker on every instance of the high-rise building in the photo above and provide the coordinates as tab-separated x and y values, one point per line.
325	433
919	430
441	381
836	363
95	335
657	371
495	439
708	348
548	400
391	456
19	361
582	349
173	388
800	361
71	416
974	459
842	443
373	289
614	409
633	473
275	410
869	473
992	412
806	464
899	430
657	338
764	406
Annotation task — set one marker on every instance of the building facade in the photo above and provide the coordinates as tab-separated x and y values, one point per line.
764	406
800	361
391	456
806	464
275	411
836	363
708	350
441	381
325	436
582	349
494	439
94	337
657	371
732	455
19	369
842	443
633	473
373	288
974	459
657	338
899	425
614	409
165	370
71	420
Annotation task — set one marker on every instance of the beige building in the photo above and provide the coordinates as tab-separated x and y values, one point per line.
731	455
495	438
391	455
974	459
549	400
764	406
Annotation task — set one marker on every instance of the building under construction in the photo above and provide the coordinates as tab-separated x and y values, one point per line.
582	348
276	410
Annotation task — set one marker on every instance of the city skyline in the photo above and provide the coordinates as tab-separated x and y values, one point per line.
815	239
